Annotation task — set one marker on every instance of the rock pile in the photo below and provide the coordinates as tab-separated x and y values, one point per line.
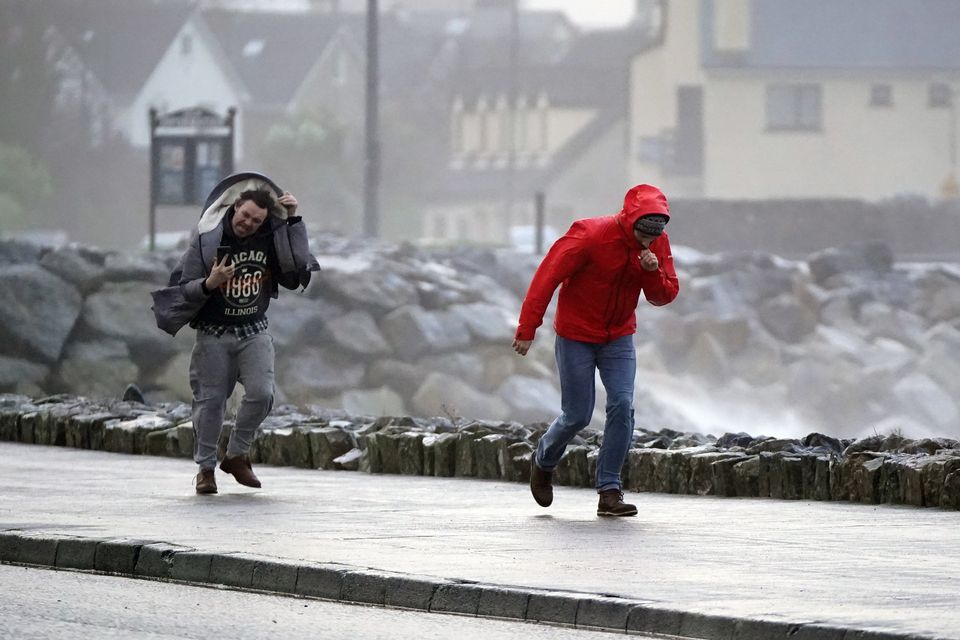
846	342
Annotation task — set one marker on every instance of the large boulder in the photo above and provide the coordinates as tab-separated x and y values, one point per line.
98	369
923	399
121	310
530	399
872	257
444	395
357	332
14	372
80	266
486	322
382	401
786	319
361	283
317	373
38	311
414	331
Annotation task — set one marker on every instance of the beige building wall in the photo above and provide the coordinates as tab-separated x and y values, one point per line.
862	151
654	78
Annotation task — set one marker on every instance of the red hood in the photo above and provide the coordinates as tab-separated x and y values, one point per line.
639	201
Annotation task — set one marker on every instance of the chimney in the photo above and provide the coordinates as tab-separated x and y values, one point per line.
649	15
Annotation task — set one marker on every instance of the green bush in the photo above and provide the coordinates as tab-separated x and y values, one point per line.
12	215
25	189
23	178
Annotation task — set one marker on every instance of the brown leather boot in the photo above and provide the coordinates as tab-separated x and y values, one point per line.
240	467
612	504
541	483
206	482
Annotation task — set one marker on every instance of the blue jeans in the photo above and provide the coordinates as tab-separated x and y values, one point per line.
577	363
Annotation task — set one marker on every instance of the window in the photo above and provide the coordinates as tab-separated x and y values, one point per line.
520	138
506	125
544	127
482	123
793	107
209	159
456	127
881	95
939	96
173	162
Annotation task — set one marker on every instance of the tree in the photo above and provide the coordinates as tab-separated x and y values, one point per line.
25	187
28	77
310	154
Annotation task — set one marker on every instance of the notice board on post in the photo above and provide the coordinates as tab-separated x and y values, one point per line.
191	150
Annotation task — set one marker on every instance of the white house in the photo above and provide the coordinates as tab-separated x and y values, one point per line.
141	56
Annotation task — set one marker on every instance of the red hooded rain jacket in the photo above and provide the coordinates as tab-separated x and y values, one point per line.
597	266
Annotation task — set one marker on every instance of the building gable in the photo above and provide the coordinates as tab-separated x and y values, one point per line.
272	52
192	72
120	42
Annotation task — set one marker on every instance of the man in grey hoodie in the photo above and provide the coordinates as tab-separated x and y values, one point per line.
248	242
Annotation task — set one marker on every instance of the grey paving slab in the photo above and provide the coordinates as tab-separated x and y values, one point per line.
699	561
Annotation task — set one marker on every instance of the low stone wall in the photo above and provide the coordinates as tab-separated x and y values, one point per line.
880	469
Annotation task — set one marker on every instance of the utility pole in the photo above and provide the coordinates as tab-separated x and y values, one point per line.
512	115
371	182
950	189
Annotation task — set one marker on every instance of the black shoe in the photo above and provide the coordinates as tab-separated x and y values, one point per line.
612	504
541	483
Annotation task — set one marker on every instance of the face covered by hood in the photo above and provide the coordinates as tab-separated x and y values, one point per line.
641	200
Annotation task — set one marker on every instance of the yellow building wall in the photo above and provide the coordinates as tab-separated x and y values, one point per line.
862	151
654	78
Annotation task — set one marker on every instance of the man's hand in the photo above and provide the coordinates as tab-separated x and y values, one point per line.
220	273
289	202
648	260
522	346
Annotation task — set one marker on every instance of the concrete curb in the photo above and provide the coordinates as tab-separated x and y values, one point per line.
349	584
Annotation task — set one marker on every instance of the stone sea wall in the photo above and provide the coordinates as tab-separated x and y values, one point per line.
880	469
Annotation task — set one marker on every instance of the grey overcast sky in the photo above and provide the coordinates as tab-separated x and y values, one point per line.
589	14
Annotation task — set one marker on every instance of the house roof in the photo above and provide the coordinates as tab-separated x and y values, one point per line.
119	41
864	34
272	52
482	36
563	86
593	73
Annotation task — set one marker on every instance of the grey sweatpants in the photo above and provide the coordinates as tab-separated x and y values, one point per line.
217	364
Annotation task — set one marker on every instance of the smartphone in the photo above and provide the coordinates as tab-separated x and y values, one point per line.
222	252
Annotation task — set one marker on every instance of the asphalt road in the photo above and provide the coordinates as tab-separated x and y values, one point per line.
856	566
38	604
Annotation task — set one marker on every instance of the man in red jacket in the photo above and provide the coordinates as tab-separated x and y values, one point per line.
603	264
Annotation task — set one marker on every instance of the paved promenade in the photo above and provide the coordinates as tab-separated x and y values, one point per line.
693	566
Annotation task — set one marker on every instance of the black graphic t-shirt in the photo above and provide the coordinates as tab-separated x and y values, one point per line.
245	297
